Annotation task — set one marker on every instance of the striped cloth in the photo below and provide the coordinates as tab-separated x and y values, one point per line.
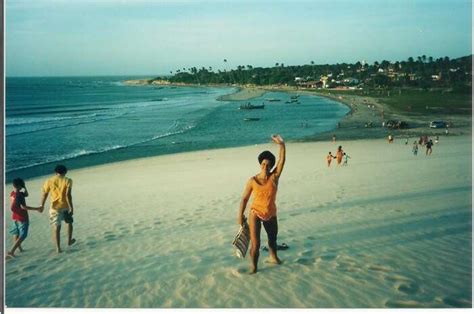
241	240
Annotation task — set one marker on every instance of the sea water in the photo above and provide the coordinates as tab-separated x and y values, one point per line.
85	121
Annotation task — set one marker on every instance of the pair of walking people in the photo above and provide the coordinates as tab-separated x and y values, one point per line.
60	188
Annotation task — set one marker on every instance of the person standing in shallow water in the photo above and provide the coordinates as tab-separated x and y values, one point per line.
263	209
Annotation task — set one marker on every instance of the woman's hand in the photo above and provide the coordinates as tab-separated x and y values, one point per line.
278	139
241	219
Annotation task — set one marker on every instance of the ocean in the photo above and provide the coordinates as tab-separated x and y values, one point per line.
86	121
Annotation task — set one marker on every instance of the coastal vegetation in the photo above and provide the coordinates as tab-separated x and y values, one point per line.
423	73
418	84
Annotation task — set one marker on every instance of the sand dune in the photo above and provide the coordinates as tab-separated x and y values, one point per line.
388	230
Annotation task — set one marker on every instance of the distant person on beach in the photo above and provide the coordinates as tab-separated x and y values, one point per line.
406	141
447	131
263	210
61	208
19	215
390	139
329	159
415	148
339	154
437	139
334	137
345	158
429	144
425	139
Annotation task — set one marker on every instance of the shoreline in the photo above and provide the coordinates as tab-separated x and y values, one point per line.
351	126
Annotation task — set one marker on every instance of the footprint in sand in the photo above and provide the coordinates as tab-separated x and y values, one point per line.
240	271
295	214
347	268
328	256
404	304
379	268
27	278
30	267
408	287
457	302
110	237
395	278
91	243
306	253
306	261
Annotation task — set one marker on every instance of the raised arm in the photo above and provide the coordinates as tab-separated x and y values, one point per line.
244	201
282	155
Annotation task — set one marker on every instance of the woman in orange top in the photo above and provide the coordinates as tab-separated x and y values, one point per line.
263	210
339	155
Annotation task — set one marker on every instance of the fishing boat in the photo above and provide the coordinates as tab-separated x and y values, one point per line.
272	99
249	106
251	119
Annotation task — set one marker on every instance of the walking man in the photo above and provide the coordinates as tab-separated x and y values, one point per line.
61	207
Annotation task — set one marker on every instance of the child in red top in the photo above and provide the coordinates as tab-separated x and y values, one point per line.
329	158
19	214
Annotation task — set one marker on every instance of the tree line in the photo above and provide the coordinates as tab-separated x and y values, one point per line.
422	72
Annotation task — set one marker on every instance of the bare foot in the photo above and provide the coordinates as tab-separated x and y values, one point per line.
72	242
10	255
275	260
58	250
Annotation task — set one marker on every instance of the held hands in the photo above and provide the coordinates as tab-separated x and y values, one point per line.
278	139
41	208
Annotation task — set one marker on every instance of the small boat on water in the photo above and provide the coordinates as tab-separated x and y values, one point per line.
272	99
249	106
251	119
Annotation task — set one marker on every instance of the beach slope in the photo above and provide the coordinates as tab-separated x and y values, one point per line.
389	230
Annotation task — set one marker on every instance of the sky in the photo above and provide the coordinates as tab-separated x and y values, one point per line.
145	37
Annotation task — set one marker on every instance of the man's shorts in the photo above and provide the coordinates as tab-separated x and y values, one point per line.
20	229
56	216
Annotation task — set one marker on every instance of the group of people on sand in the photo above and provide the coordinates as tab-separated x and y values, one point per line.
60	188
423	141
340	157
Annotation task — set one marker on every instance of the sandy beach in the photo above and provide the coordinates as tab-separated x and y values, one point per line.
389	230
